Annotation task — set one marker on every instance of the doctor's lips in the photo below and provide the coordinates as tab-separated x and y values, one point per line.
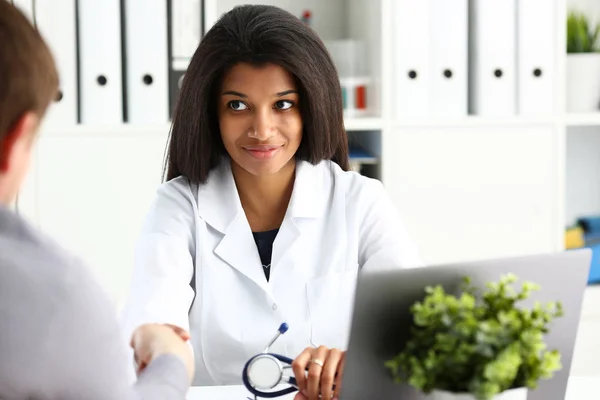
262	152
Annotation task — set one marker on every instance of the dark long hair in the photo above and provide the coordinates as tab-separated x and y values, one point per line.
256	34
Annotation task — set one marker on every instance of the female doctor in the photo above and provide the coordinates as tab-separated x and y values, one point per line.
259	221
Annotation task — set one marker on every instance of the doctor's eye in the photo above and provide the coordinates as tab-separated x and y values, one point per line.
237	105
283	104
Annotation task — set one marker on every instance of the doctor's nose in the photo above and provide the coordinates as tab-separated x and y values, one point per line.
263	127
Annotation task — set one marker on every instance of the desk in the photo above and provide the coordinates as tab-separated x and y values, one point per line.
580	388
226	393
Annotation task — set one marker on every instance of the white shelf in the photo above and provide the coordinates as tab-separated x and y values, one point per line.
583	119
118	130
472	121
128	130
363	124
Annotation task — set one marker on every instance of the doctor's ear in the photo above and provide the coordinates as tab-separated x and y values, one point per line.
18	139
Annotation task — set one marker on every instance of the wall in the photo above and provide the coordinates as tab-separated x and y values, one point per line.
583	172
588	6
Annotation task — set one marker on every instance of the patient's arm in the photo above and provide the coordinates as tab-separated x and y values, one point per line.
87	355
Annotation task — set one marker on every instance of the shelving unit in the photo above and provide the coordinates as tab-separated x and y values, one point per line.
582	142
582	199
467	188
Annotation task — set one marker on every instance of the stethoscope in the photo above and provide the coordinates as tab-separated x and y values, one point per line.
265	371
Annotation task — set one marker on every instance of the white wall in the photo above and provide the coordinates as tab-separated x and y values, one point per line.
583	172
591	7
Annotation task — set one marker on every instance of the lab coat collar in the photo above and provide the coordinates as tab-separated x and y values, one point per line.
219	202
219	205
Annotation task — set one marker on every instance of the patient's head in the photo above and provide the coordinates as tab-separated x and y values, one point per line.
259	76
28	83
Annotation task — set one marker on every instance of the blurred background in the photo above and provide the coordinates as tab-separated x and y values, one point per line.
480	117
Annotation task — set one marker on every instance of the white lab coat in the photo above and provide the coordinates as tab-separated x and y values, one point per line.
337	223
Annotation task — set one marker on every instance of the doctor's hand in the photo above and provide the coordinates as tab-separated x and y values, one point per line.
325	368
150	341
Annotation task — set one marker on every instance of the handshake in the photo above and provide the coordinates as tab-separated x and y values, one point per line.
150	341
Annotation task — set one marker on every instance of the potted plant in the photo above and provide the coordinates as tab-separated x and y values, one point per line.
478	345
583	64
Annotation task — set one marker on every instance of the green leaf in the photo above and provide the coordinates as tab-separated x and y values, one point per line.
581	36
503	369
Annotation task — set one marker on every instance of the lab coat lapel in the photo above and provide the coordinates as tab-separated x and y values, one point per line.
305	204
239	250
219	205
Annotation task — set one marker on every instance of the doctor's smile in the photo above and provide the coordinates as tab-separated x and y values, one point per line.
262	152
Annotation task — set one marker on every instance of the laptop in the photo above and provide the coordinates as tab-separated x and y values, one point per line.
381	318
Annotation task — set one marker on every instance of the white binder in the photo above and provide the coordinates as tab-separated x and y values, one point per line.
186	32
449	74
411	62
186	28
492	58
26	7
147	64
55	20
101	84
536	31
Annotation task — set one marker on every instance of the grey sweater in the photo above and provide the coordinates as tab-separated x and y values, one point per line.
59	335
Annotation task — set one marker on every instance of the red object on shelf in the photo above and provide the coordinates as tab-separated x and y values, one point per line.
361	97
306	16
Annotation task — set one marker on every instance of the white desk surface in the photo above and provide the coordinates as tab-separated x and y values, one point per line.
580	388
226	393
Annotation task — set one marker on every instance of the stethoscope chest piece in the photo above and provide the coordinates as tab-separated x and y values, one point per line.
265	372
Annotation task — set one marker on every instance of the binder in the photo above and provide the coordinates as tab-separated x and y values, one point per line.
449	75
147	64
26	7
56	21
492	58
536	72
411	60
185	35
101	82
176	75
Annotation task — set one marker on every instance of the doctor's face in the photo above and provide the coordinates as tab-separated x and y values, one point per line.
259	118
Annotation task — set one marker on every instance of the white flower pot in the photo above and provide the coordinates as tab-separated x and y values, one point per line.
513	394
583	82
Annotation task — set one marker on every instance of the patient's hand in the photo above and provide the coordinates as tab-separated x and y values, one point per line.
152	340
321	378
